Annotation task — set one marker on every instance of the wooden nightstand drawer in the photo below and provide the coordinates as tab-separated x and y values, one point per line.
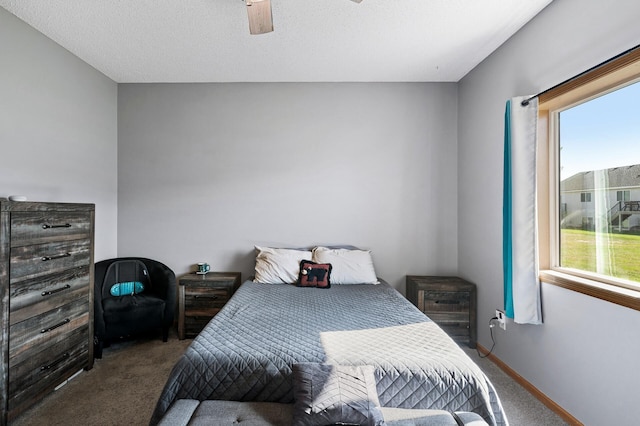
458	331
200	298
448	301
202	301
194	324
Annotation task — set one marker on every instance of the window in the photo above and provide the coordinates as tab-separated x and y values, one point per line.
623	195
590	174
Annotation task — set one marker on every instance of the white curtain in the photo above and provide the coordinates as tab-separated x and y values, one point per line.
520	231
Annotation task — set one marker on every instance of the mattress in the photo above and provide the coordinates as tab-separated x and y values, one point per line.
246	352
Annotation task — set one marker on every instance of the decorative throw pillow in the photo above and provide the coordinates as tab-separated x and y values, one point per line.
349	266
278	266
335	394
314	274
126	289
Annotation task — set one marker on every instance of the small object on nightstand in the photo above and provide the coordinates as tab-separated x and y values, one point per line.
449	301
200	298
203	268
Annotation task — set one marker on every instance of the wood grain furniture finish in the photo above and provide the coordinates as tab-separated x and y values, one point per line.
449	301
46	299
200	298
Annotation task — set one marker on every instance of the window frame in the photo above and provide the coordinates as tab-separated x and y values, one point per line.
611	75
623	195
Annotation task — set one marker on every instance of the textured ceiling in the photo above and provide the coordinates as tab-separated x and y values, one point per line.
314	40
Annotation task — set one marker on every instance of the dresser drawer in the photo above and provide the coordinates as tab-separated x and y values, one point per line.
40	362
200	305
194	324
47	329
448	317
41	259
43	370
204	301
42	226
446	301
38	295
458	331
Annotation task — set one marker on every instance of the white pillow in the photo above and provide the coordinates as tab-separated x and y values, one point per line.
277	266
348	266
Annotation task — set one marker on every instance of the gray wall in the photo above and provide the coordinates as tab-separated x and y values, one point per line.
58	127
585	356
207	171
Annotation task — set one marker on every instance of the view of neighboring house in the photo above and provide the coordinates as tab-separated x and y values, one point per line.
602	199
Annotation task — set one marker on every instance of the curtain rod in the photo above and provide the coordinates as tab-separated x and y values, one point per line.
526	101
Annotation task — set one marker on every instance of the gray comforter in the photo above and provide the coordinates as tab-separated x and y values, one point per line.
245	353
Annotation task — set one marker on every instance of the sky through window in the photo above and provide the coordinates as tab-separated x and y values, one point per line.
602	133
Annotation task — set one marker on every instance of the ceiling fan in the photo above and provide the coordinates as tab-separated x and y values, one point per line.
260	17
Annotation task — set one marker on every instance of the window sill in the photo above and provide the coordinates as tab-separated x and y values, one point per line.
618	295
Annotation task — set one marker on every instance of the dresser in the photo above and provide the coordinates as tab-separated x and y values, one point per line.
449	301
46	299
200	298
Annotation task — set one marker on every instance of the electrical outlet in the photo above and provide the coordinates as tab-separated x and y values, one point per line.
502	319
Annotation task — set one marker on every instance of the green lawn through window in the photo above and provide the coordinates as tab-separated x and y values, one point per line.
620	253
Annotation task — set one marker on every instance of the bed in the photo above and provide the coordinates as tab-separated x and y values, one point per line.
247	351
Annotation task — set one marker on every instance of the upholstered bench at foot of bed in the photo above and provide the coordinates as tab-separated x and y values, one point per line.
189	412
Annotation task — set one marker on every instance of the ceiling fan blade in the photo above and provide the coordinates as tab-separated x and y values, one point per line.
260	18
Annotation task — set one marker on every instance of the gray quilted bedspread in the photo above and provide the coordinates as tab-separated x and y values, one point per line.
246	352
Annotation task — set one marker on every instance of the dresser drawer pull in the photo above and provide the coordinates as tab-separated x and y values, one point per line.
54	363
57	256
53	327
47	226
212	297
50	292
448	302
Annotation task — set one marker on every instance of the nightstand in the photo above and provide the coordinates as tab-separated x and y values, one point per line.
200	298
448	301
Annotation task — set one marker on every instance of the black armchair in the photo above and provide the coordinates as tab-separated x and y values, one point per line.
144	300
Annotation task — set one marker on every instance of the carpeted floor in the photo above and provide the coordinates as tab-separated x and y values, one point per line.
521	407
123	387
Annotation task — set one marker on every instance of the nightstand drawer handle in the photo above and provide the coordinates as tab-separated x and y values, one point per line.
53	327
50	292
47	226
56	362
57	256
212	297
448	302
